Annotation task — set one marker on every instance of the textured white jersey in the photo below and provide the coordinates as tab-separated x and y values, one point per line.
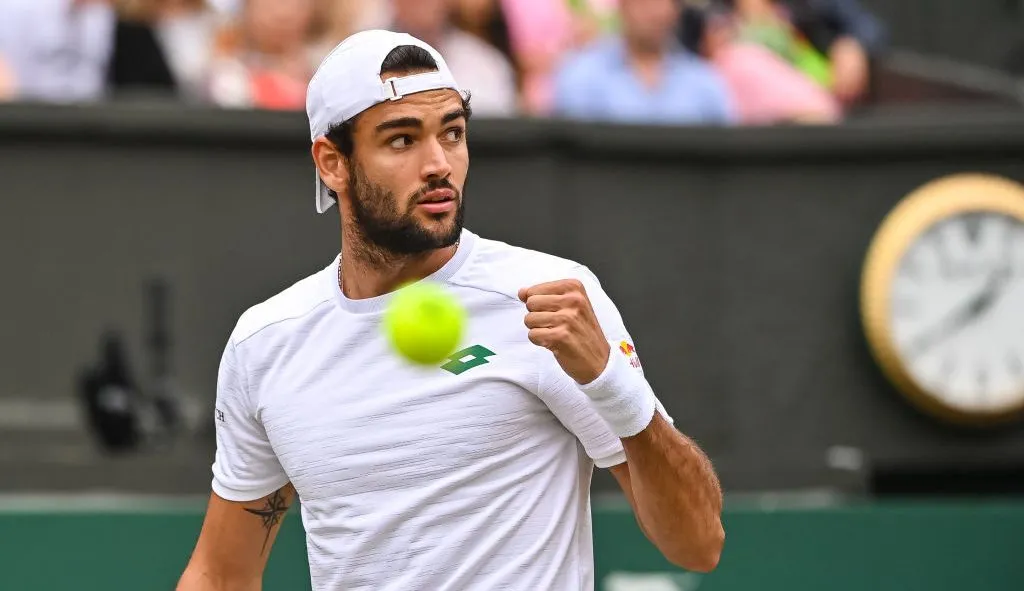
467	476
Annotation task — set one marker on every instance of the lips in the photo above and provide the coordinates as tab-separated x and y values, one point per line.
438	196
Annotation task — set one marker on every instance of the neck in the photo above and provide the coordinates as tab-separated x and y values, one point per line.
368	271
644	52
646	61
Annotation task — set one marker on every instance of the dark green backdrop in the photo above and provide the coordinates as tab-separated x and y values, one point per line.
883	547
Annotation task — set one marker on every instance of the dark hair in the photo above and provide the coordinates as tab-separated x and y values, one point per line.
401	60
406	58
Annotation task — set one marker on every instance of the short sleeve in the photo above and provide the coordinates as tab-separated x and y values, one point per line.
245	467
565	399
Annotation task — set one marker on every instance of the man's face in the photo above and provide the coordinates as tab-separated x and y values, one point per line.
649	23
278	25
406	175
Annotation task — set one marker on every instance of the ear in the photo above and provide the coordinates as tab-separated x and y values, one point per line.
331	163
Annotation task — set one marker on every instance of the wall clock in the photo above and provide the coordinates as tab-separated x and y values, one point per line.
942	298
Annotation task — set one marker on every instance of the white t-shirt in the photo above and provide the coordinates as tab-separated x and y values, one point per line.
482	70
58	51
471	475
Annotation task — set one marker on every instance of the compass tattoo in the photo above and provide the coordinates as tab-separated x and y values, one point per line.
271	514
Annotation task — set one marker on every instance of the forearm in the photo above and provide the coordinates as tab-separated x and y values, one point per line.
677	496
8	81
198	578
673	489
669	481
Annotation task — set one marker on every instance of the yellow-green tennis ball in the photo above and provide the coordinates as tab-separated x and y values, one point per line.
424	323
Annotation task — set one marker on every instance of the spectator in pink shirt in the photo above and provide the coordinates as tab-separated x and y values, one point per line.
765	88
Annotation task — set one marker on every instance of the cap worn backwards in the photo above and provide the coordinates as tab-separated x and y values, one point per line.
348	82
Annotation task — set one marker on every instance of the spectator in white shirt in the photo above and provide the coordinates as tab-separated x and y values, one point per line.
186	30
56	50
479	67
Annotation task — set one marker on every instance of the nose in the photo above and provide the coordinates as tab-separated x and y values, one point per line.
435	161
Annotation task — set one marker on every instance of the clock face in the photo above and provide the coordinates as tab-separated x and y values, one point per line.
957	311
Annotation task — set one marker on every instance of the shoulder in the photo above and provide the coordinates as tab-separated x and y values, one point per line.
503	268
287	308
699	72
694	65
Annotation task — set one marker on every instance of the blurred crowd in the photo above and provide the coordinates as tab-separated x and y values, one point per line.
711	62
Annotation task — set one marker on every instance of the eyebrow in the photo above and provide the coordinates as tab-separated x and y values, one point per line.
400	122
456	114
418	123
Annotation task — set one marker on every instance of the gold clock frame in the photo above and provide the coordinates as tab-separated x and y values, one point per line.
912	216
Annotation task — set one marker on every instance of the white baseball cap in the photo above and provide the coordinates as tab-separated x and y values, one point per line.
348	82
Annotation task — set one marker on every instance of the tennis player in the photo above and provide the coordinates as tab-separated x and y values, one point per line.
473	475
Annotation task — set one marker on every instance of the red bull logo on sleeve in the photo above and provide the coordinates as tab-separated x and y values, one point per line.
629	351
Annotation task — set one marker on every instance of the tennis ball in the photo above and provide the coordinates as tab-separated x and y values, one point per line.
424	323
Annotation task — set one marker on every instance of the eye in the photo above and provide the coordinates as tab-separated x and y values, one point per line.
455	134
400	141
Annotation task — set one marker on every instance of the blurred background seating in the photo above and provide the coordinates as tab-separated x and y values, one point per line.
746	62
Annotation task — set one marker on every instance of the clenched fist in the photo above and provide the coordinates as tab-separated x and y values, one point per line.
561	320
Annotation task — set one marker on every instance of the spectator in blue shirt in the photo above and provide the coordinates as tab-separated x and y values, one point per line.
642	75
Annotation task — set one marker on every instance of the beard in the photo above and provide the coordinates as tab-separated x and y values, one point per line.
388	233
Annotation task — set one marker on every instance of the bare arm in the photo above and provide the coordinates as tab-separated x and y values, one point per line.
235	543
669	481
675	495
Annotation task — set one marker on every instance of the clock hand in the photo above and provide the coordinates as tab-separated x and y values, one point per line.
1001	282
990	293
965	315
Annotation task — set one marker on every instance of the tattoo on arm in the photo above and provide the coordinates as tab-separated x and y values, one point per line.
271	514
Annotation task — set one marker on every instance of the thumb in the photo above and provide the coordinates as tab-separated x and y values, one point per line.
524	293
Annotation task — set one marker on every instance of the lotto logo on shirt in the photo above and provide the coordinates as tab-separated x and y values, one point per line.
629	351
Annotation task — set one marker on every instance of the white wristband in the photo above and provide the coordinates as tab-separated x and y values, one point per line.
622	397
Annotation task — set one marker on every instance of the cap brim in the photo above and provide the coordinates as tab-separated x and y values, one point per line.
324	201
